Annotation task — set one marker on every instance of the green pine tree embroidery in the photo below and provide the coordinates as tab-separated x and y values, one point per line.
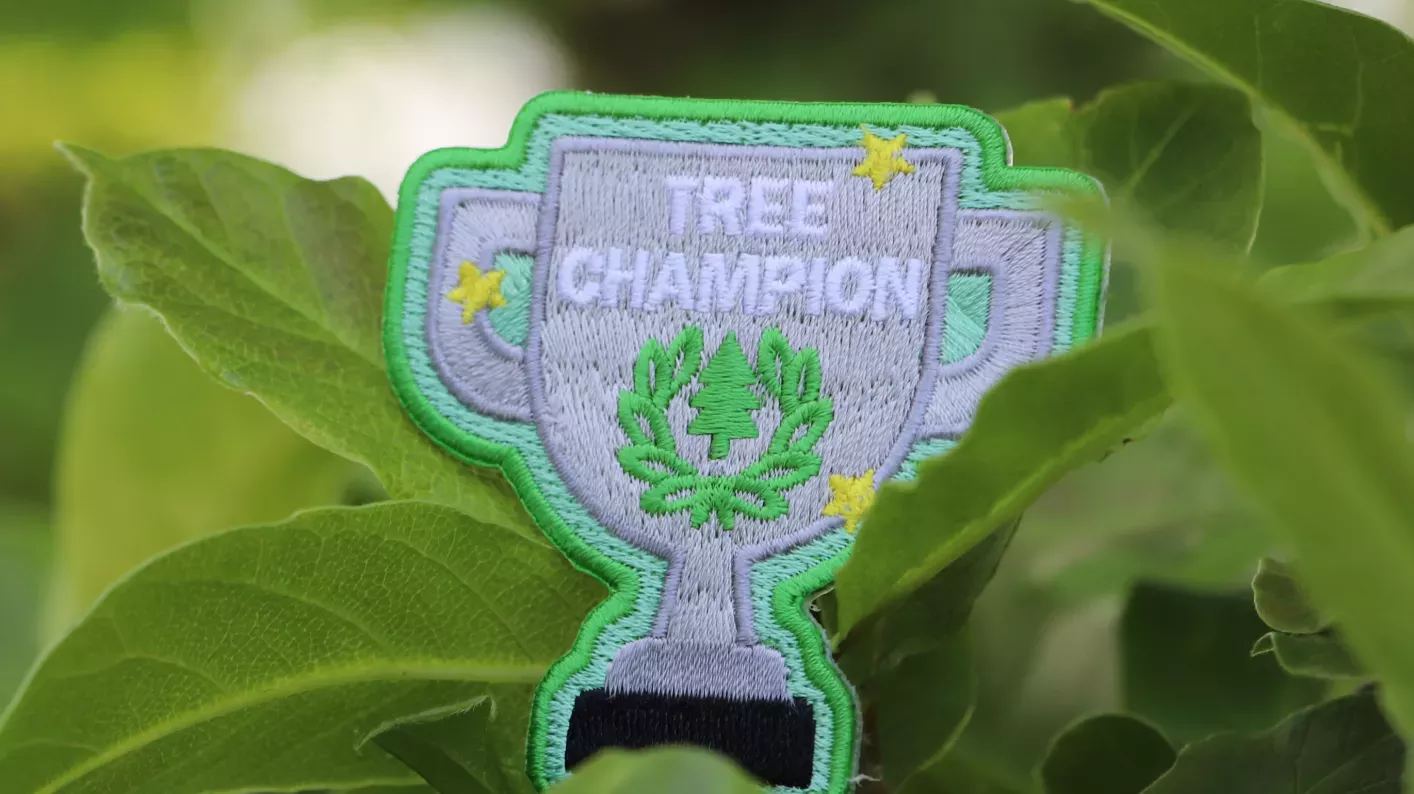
726	400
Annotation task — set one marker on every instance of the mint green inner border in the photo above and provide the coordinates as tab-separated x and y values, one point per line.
781	585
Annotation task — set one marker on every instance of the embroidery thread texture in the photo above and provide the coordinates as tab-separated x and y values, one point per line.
777	586
651	456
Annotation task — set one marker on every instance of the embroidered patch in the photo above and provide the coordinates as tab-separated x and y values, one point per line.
697	336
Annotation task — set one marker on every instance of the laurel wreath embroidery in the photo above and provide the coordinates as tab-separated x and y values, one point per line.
790	377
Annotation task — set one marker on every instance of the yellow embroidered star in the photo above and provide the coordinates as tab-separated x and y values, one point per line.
884	158
477	291
853	495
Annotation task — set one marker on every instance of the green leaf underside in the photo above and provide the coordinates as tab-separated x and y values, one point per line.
914	665
454	749
1187	154
263	658
1039	422
1106	754
155	454
1187	667
1314	655
1318	436
274	284
662	770
1341	79
1342	746
1281	601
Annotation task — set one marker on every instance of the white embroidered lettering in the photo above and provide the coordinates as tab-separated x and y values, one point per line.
720	206
615	276
680	190
765	217
720	289
636	291
807	208
894	288
578	271
672	281
839	297
782	275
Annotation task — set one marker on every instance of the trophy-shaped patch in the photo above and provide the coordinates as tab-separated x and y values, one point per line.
697	336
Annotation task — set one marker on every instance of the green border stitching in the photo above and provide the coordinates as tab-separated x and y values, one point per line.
788	602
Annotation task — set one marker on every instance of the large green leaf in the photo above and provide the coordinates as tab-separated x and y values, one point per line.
24	569
1373	279
1187	664
676	770
1038	423
262	659
1106	754
1315	432
275	285
1343	746
1341	79
1188	155
154	454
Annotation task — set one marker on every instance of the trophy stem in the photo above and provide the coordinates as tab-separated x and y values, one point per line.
698	599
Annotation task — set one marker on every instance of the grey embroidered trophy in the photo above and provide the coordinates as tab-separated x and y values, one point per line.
697	337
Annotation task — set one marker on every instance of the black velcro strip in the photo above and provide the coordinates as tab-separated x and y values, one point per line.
774	740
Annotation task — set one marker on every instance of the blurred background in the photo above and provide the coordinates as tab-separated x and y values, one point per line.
336	87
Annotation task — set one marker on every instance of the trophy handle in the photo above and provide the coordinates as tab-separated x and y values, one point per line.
482	364
1021	253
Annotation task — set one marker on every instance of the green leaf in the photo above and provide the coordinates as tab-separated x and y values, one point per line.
261	659
154	454
1187	666
1186	154
1343	746
1040	133
1373	279
455	748
913	666
1157	509
1315	655
956	774
664	770
48	303
1106	754
1301	220
1317	435
24	570
1338	78
1281	601
1038	423
275	285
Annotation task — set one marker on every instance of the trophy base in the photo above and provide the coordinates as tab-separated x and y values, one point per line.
774	740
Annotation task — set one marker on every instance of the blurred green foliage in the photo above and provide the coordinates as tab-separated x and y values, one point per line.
1119	589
